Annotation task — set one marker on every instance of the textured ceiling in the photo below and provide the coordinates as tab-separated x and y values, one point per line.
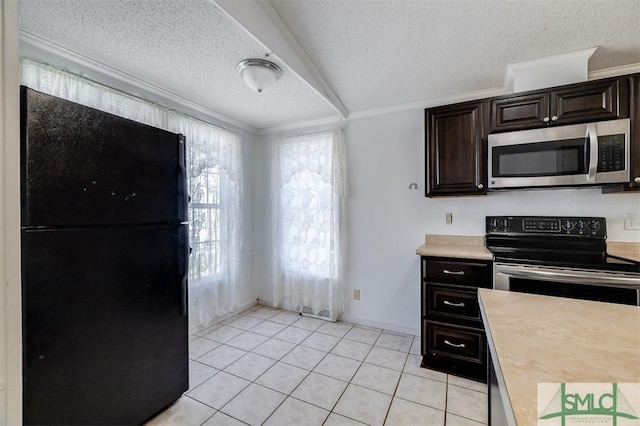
378	54
186	47
373	54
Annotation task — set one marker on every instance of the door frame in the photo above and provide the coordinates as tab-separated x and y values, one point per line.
10	291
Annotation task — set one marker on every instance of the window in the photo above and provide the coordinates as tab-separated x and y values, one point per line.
310	206
215	187
204	218
306	207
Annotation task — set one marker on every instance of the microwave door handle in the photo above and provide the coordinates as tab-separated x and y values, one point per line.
592	135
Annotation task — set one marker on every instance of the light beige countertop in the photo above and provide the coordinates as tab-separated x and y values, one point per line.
625	250
472	247
456	246
540	339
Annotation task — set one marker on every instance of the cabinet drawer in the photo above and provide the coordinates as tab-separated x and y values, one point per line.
469	274
455	342
452	303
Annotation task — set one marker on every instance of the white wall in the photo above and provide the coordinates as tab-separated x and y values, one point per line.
263	216
248	292
388	221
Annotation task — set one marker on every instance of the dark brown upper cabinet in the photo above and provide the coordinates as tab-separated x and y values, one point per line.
455	149
456	135
606	99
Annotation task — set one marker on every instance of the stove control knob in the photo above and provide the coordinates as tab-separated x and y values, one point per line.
580	225
594	225
506	223
494	223
567	225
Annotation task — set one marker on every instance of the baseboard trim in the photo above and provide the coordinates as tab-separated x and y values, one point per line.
265	302
360	321
238	310
380	324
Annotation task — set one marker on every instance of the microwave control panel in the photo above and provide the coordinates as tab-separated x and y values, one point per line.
611	153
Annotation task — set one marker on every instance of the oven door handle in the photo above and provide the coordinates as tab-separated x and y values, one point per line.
558	275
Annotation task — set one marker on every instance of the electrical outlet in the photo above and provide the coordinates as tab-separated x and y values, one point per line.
449	218
632	221
356	294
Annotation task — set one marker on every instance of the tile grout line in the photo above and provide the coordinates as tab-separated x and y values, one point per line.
300	344
280	360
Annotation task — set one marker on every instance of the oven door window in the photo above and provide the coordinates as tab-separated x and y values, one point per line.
549	158
625	296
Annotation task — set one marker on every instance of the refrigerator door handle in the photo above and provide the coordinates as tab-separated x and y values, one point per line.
183	307
183	198
184	262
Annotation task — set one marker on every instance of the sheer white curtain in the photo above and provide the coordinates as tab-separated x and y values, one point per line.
80	90
309	184
215	183
215	187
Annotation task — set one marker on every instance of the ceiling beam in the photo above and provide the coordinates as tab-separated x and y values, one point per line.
262	21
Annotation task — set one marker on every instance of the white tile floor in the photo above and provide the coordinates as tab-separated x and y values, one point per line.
273	367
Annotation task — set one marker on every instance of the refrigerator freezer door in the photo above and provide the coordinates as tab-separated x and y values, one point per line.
84	167
104	331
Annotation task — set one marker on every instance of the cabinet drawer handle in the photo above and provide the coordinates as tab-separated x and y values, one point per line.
457	305
446	271
461	345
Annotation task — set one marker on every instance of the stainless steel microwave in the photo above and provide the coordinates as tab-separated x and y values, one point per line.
579	154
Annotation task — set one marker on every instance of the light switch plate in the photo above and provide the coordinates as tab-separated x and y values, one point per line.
632	221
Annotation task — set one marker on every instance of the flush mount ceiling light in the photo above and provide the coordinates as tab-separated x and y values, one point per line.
259	74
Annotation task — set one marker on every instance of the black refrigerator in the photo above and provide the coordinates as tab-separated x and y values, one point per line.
104	265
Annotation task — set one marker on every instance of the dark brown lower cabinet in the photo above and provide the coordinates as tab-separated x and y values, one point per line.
455	349
453	337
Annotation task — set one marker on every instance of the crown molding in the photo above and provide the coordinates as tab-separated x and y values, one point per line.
37	48
444	100
614	71
452	99
289	127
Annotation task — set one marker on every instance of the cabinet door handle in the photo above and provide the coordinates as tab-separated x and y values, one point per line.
461	345
457	305
480	186
554	118
546	119
446	271
637	180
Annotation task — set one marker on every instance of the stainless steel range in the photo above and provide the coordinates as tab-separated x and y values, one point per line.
560	256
